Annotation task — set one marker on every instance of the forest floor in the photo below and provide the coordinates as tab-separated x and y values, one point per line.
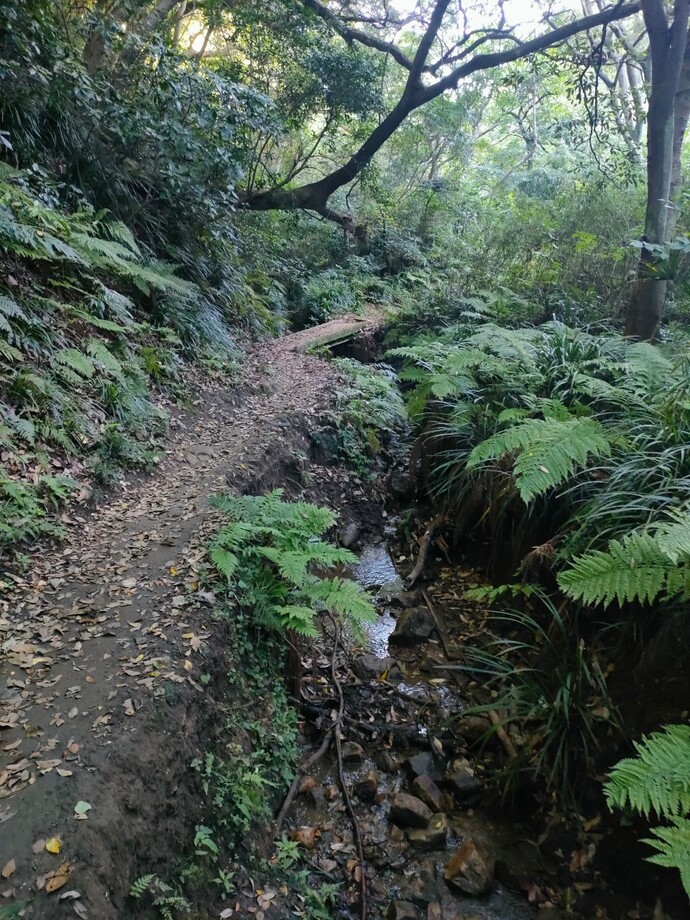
105	646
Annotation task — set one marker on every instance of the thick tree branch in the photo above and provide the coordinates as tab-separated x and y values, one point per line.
356	35
314	196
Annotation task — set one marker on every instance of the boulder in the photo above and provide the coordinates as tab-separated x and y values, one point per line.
352	752
473	728
470	868
407	811
369	667
402	910
426	789
367	786
413	627
408	598
431	837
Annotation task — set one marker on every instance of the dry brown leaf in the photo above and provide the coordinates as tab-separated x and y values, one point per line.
9	869
57	879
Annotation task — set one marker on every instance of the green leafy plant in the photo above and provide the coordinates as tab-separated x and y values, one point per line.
657	780
275	560
161	895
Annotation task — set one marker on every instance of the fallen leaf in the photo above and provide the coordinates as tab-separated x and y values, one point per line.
305	836
39	846
58	878
9	869
70	895
80	910
53	845
62	772
80	810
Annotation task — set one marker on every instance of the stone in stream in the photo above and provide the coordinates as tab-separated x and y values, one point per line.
461	780
402	910
349	535
408	811
352	752
408	598
470	868
423	764
367	786
427	790
369	667
413	627
387	762
431	837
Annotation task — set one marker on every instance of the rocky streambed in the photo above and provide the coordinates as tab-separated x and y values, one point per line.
414	792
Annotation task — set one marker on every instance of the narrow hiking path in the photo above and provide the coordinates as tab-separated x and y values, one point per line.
104	628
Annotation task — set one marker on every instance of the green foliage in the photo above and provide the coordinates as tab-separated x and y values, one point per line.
657	780
369	412
275	561
161	896
551	685
645	565
547	451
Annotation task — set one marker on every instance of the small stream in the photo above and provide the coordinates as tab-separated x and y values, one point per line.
406	876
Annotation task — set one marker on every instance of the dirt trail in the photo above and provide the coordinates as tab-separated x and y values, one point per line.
104	643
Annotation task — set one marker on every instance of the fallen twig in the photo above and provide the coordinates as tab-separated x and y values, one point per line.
450	653
341	777
424	545
502	734
307	765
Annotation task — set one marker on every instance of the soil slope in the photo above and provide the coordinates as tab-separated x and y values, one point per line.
107	643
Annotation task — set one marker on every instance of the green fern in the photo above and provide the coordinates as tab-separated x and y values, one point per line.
141	885
673	845
658	780
76	361
642	566
105	359
548	451
271	554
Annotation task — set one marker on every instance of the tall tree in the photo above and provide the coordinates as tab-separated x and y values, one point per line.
436	65
669	108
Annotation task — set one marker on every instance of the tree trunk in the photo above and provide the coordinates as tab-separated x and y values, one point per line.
667	46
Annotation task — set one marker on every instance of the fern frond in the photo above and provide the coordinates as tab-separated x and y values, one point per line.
224	561
141	885
76	361
103	357
673	845
548	451
632	569
658	778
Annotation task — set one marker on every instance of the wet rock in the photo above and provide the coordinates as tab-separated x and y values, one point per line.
367	786
401	482
422	889
470	868
422	765
461	780
408	811
408	598
369	667
426	789
413	627
352	752
473	728
387	762
396	834
316	797
431	837
395	674
349	535
388	591
402	910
